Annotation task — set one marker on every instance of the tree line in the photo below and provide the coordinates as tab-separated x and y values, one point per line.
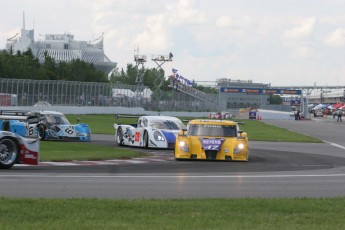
24	65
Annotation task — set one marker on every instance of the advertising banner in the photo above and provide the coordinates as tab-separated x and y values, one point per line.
252	115
260	91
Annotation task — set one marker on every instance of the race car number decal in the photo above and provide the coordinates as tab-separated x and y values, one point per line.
137	137
211	144
31	131
69	131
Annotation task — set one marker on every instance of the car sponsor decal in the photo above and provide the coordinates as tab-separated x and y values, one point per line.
211	143
27	156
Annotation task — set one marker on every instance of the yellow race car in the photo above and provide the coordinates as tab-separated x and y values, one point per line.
212	140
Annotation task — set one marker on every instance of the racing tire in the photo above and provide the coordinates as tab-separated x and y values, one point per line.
146	140
41	132
9	153
119	136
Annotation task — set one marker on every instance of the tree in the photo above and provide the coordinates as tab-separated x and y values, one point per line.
23	65
275	99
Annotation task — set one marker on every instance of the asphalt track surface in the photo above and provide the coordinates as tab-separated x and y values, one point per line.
273	170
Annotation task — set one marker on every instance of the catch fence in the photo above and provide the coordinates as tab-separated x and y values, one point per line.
25	92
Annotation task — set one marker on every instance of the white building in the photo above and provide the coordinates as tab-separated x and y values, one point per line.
62	48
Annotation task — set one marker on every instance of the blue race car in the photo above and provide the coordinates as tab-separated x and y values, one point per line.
55	126
47	125
19	122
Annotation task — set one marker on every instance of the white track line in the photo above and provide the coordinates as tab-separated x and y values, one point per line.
171	176
335	145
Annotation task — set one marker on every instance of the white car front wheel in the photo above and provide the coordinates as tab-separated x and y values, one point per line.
146	140
119	136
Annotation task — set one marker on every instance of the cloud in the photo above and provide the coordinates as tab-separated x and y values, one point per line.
241	22
224	21
303	30
336	38
303	52
184	12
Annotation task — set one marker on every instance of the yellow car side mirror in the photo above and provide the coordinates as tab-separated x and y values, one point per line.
182	132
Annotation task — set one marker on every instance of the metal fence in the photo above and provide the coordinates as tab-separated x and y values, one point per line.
25	92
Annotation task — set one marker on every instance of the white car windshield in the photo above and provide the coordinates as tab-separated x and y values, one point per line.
212	130
57	119
167	124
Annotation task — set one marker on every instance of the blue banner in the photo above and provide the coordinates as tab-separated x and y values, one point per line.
295	102
181	79
252	115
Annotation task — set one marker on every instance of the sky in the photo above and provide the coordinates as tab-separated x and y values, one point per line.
284	43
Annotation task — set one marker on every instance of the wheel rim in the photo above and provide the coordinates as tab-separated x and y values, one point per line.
8	152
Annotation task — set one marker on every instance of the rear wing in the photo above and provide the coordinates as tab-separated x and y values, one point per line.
19	115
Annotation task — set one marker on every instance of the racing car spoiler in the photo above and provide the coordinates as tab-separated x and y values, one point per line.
19	115
117	116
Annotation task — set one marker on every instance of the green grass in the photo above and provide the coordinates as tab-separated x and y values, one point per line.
257	130
67	151
99	123
242	213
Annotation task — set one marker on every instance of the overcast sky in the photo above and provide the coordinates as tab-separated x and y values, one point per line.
285	43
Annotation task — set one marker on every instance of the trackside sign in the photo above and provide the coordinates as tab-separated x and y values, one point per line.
260	91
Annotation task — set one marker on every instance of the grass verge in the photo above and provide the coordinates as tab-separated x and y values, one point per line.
242	213
257	130
67	151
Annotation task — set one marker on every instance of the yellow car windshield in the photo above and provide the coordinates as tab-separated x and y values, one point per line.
212	130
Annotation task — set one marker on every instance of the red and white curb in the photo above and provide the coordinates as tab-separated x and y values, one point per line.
106	162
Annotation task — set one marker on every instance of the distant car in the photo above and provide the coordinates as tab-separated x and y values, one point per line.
149	132
55	126
220	115
318	113
42	103
15	149
212	140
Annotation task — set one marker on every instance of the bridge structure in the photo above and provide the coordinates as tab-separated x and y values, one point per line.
320	94
308	94
315	92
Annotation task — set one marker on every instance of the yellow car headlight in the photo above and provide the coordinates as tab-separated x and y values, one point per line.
183	146
239	147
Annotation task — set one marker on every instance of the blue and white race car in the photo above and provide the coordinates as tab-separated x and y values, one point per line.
149	132
55	126
19	122
47	125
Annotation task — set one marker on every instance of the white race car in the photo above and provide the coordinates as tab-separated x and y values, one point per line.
15	149
149	132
